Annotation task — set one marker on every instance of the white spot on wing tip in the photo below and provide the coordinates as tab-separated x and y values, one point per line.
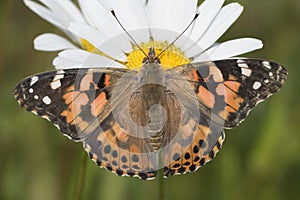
246	72
56	80
58	77
30	90
243	65
46	100
256	85
60	72
56	84
267	64
34	79
244	68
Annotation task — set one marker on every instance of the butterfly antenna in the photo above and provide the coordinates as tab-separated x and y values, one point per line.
114	14
195	17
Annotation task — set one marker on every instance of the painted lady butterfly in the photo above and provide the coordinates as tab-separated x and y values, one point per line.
136	122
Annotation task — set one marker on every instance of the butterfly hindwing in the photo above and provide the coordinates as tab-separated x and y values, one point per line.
201	134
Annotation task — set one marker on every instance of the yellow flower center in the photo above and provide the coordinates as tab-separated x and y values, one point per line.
172	57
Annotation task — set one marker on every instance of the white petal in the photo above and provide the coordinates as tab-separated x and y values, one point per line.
98	40
169	14
83	59
103	20
173	15
226	17
100	18
65	10
132	15
88	33
127	11
58	13
229	49
208	10
52	42
60	63
106	4
44	13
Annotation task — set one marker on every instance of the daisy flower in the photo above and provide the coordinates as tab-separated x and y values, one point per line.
94	38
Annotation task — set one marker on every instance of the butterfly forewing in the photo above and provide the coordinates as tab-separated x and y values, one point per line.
231	88
73	99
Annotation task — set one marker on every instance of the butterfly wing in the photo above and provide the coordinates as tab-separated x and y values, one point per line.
87	105
74	100
237	84
225	91
199	100
194	141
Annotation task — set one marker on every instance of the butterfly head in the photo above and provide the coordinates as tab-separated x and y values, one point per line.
151	71
151	58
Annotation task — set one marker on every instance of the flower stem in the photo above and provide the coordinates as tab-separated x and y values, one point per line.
80	179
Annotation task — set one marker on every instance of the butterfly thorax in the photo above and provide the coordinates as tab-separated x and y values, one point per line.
151	73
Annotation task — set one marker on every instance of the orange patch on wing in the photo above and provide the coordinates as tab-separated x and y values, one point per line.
80	123
228	110
121	134
233	85
220	90
195	75
98	104
232	78
222	114
107	80
83	125
229	89
216	73
233	99
206	97
70	89
134	149
204	130
111	139
86	81
74	108
68	97
187	129
77	120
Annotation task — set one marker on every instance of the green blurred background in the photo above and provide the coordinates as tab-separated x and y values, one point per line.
259	160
